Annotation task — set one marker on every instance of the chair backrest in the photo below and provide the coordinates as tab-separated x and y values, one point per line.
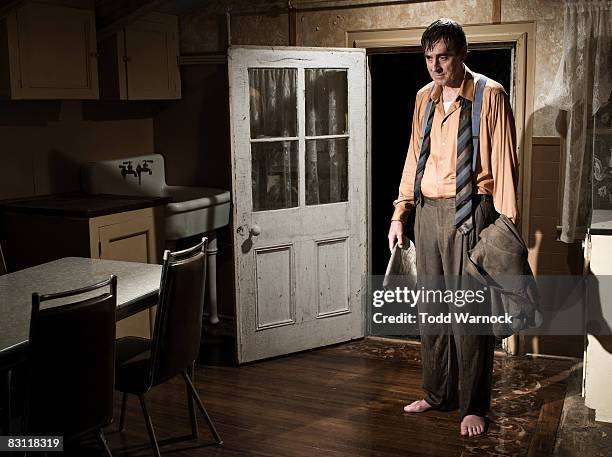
178	323
72	362
3	269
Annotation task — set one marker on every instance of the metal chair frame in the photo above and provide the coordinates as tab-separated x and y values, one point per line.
169	259
37	299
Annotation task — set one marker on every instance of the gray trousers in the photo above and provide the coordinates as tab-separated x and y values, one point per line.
457	367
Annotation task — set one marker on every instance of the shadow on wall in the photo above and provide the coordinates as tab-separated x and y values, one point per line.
193	132
29	112
116	110
551	257
63	172
547	256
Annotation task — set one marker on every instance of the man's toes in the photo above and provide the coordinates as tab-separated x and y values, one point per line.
464	430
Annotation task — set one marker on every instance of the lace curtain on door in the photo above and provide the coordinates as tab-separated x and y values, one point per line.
273	112
326	114
582	87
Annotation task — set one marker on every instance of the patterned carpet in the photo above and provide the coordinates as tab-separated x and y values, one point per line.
527	398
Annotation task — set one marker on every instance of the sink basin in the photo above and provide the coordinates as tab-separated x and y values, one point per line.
191	210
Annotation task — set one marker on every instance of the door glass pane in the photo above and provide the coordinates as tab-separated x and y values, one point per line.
274	175
326	102
273	105
326	171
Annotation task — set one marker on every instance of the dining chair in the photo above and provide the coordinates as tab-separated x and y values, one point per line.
5	381
145	363
71	363
3	269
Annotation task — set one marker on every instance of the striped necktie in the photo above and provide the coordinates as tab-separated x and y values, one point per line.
463	173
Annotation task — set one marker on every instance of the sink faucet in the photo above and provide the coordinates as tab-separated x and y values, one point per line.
143	169
127	169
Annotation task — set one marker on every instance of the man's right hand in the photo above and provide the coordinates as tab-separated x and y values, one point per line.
396	232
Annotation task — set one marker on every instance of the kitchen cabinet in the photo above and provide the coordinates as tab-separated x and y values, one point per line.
141	61
131	237
42	229
597	368
48	52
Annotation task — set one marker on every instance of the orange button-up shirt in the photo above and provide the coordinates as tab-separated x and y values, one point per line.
496	166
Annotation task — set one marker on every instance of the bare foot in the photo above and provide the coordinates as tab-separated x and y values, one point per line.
472	425
418	406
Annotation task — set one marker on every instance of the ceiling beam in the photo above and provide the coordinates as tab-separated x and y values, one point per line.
111	17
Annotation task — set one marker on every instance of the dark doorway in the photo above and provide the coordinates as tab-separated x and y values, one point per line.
396	76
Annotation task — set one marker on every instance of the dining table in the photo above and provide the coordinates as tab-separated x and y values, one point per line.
137	289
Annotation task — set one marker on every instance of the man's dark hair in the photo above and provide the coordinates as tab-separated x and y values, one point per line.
444	29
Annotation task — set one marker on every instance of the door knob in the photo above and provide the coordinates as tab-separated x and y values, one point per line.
255	230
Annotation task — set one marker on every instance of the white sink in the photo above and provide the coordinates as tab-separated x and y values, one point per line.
191	210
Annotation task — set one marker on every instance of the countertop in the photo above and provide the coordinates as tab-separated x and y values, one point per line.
79	205
137	288
601	222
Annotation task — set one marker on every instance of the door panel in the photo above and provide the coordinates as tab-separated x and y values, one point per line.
332	277
299	197
275	304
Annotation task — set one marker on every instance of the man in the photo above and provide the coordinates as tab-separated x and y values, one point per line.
455	194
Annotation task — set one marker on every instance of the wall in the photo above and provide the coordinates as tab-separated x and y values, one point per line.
44	143
202	30
326	23
547	256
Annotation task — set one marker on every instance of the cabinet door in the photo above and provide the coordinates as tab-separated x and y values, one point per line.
52	53
129	237
151	55
130	241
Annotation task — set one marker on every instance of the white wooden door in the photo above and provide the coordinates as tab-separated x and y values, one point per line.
299	197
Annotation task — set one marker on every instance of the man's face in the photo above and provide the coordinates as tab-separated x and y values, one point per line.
445	66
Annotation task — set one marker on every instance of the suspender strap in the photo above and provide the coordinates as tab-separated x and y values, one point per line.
427	110
476	108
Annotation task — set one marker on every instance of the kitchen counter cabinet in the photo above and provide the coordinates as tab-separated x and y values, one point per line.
33	232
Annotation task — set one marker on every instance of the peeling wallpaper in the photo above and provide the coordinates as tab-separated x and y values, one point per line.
205	31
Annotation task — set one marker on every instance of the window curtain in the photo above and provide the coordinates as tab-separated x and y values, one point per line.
273	108
326	167
582	86
273	114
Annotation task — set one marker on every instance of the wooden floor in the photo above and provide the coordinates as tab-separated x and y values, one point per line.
347	400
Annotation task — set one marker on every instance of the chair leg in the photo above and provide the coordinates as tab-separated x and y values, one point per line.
9	412
103	443
196	397
149	424
191	406
122	416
